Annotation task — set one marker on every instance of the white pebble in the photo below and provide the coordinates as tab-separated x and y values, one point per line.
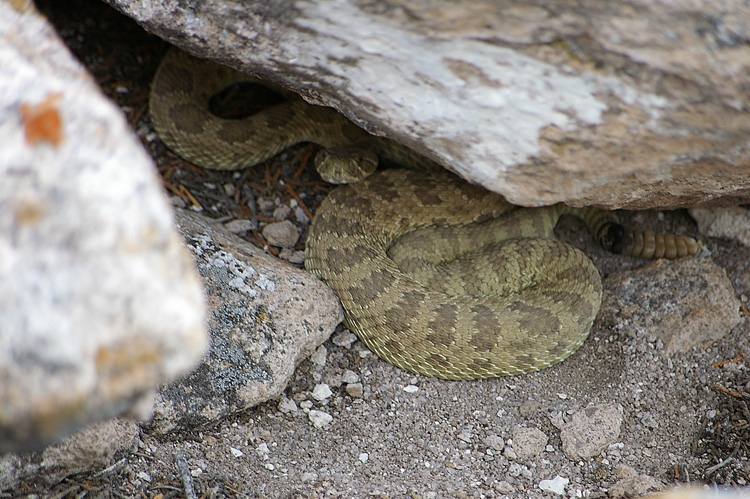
240	225
236	452
144	476
287	405
344	339
556	485
319	356
301	216
321	392
364	457
411	389
349	376
320	419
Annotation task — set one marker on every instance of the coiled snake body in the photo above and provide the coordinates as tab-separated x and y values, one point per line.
435	275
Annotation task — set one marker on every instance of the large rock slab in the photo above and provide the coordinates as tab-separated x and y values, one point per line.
99	299
593	103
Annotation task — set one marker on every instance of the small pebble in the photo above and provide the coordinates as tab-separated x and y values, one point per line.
239	226
349	376
344	339
301	216
319	356
494	442
320	419
364	457
321	392
283	234
282	212
308	477
287	405
236	452
556	485
466	436
355	390
411	389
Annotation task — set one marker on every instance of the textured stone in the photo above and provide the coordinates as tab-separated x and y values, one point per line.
591	430
265	317
282	234
730	222
684	303
99	299
87	450
597	103
528	442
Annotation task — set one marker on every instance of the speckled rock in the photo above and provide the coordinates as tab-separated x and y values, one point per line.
265	317
591	430
731	222
690	302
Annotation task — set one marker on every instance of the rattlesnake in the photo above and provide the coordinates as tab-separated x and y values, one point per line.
435	275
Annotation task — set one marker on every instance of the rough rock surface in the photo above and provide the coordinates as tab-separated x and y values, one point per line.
265	317
528	442
99	299
591	430
732	222
597	103
690	302
90	449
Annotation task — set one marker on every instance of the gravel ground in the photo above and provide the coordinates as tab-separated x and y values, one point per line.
351	425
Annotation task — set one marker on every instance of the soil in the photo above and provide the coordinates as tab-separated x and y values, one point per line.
685	418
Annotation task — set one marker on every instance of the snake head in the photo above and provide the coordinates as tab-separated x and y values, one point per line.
345	165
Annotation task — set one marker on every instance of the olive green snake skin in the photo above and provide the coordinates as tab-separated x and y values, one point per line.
437	276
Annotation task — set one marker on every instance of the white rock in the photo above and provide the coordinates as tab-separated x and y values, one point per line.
287	405
99	300
236	452
321	392
344	339
320	419
242	225
349	376
411	389
556	485
319	356
730	222
368	62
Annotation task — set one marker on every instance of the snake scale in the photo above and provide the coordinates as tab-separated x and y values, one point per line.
437	276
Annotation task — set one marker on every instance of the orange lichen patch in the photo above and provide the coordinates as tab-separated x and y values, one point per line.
127	366
42	122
